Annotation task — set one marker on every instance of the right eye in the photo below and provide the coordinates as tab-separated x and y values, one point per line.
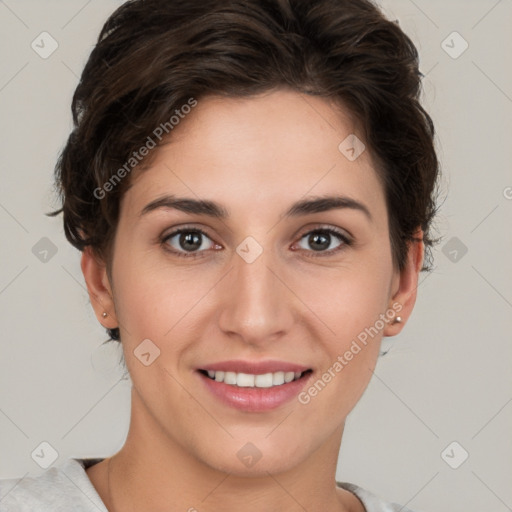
186	242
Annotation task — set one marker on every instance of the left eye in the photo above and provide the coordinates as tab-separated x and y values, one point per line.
321	240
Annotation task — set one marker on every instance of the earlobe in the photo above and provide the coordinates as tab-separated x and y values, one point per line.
405	294
99	288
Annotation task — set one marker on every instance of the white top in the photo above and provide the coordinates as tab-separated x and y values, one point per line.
66	487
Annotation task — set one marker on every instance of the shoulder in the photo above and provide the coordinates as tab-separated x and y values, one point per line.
59	489
371	502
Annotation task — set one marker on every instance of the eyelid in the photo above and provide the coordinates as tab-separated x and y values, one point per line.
326	227
178	229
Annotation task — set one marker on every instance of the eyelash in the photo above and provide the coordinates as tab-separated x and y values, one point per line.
347	242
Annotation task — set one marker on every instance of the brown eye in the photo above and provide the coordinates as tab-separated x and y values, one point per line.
187	242
323	241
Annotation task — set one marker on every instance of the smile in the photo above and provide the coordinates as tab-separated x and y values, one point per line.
248	380
254	386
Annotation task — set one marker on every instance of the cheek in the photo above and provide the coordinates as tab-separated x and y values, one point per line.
348	300
351	307
350	354
158	301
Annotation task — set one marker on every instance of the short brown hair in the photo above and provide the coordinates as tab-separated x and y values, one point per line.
152	56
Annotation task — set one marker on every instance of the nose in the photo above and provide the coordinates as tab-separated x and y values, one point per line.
257	305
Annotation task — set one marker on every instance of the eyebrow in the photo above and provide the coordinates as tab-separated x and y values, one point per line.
211	209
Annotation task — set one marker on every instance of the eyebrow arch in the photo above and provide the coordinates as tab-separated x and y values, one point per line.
184	204
326	203
211	209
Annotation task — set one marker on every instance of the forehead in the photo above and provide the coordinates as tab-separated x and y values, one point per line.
260	152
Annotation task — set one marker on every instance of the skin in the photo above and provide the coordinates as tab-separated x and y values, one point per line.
255	156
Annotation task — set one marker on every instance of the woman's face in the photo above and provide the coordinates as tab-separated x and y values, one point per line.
259	286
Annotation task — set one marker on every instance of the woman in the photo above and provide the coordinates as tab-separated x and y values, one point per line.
252	187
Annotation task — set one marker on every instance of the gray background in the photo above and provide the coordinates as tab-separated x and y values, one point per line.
446	378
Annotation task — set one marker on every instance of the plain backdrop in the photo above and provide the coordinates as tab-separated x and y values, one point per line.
445	379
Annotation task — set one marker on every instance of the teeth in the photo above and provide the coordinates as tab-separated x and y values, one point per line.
278	378
289	376
230	378
247	380
263	381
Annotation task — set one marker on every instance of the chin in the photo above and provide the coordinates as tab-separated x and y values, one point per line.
261	468
247	459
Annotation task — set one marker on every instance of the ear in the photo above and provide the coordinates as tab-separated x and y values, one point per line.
99	288
405	285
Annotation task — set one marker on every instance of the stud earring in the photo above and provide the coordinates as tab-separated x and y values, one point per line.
398	320
105	314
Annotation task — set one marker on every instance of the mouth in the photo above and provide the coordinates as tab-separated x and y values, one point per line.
254	387
251	380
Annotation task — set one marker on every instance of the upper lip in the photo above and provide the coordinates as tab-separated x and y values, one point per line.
255	367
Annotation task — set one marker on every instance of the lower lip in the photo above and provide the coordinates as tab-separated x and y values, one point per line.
255	399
